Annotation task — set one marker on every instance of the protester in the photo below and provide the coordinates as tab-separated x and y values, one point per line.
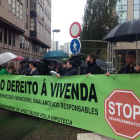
92	68
4	69
59	69
20	68
34	71
53	65
70	69
11	66
64	67
26	70
131	66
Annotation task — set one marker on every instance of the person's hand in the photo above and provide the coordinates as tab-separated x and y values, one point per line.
137	68
88	74
56	70
16	67
107	74
58	75
10	71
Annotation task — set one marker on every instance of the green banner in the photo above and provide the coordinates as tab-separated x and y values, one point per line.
106	105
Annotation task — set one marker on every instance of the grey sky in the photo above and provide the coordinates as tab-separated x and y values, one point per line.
64	13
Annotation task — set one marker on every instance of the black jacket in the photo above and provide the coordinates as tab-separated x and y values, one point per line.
70	72
26	71
93	68
126	69
35	72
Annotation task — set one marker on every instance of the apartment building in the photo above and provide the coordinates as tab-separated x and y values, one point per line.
25	27
127	10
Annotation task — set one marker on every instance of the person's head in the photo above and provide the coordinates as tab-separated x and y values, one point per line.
70	64
130	57
33	65
4	66
20	64
12	65
64	64
91	58
26	65
52	63
58	65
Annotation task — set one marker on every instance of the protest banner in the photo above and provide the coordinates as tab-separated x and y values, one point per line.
106	105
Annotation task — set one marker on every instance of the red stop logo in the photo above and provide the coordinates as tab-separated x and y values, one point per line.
122	113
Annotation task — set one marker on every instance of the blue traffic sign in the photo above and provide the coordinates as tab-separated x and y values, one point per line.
75	46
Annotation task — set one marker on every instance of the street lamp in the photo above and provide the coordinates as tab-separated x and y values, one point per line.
55	30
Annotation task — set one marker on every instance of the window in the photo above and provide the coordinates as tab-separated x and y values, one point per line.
17	8
9	37
28	45
26	21
14	6
38	28
136	9
26	3
20	41
13	39
9	5
5	35
0	34
121	10
38	8
33	24
23	42
33	5
21	12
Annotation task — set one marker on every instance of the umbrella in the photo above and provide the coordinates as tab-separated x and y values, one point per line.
18	58
78	55
27	60
55	55
5	57
49	60
101	63
128	31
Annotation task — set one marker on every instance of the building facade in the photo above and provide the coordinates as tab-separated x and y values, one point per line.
61	48
25	27
67	48
126	10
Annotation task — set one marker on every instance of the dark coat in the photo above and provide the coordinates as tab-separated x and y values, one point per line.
64	71
93	68
70	72
26	71
126	69
35	72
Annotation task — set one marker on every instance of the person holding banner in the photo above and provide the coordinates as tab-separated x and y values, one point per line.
34	71
131	66
70	69
92	68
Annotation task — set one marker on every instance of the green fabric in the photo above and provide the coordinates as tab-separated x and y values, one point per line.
4	72
77	101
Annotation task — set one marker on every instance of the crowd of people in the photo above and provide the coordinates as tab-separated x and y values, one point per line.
67	68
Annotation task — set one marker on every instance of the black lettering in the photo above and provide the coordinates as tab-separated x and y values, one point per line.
92	94
84	88
62	90
29	83
17	86
13	86
53	90
33	88
22	87
44	90
2	84
57	90
75	91
67	90
8	85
